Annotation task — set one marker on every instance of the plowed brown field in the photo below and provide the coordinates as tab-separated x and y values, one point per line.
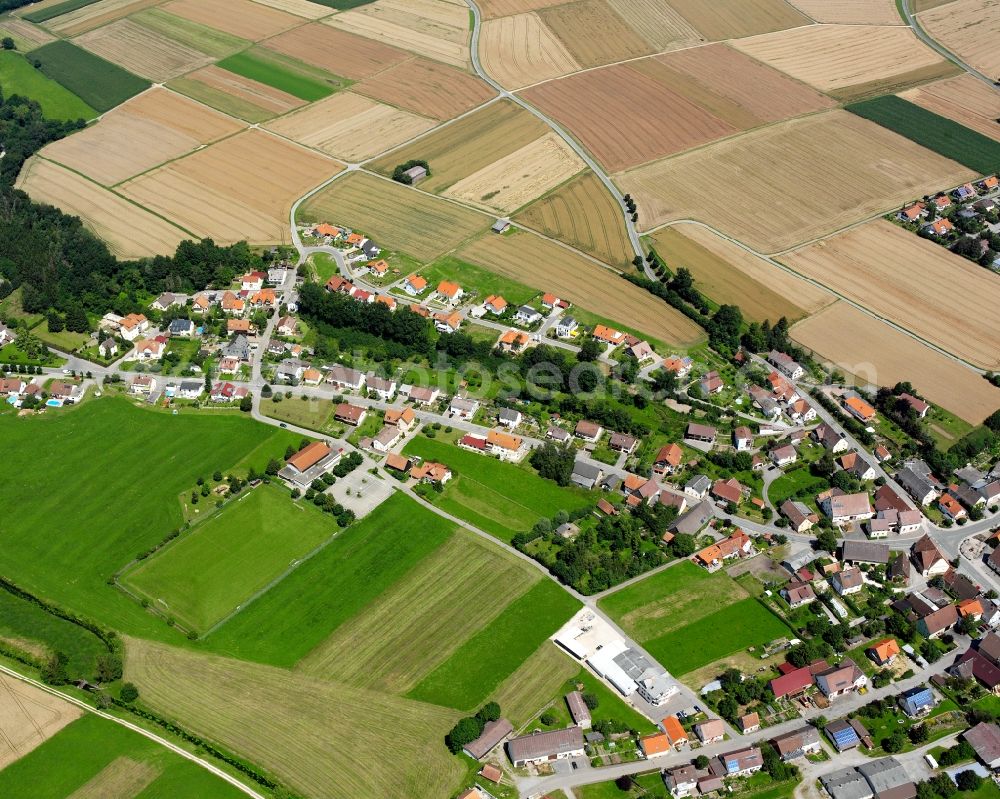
593	33
428	88
876	353
336	51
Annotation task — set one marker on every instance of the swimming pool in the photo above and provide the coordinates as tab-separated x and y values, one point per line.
54	403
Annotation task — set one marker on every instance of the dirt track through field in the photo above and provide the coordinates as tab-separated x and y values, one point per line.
28	718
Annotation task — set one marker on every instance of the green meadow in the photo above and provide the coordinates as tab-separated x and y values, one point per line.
99	83
18	76
283	72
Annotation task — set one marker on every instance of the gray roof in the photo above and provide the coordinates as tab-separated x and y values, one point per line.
544	744
700	483
180	324
985	739
846	783
527	310
191	385
694	519
865	552
238	348
508	415
493	733
884	774
586	473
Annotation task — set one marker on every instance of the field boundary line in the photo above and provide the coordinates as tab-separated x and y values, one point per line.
940	49
178	750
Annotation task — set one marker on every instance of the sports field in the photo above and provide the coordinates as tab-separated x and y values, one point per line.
283	73
365	560
935	132
99	83
125	497
371	744
235	553
19	77
93	758
395	216
482	485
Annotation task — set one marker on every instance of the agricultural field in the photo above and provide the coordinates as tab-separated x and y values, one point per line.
240	188
336	51
878	354
537	262
242	18
534	683
395	216
849	61
221	699
969	29
900	277
964	99
102	536
574	25
436	29
473	143
520	50
728	274
154	127
87	16
199	37
288	75
301	8
480	282
142	51
128	230
481	485
350	127
28	718
235	95
428	88
230	556
503	8
93	758
583	214
734	19
864	170
97	82
18	76
25	35
516	179
657	23
850	12
952	140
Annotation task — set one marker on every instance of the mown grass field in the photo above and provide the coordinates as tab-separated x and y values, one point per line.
501	498
536	681
19	77
96	485
478	667
97	82
935	132
97	758
284	73
206	574
304	609
57	10
474	278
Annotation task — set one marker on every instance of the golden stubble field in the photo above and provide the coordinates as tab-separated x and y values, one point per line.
878	354
233	94
851	12
791	182
428	88
520	50
943	298
969	28
28	718
142	51
732	19
965	99
337	51
242	18
94	15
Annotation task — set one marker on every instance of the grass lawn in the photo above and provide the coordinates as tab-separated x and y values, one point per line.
610	704
324	265
19	77
945	427
790	484
476	279
886	724
314	414
97	82
368	428
90	488
301	611
231	555
15	355
501	498
64	340
477	667
646	786
111	761
283	72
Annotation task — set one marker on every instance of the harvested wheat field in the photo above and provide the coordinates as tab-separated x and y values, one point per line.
26	35
473	143
142	51
850	12
878	354
350	126
122	777
95	15
426	87
28	718
503	8
965	99
221	699
657	23
130	231
233	94
242	18
521	50
241	188
537	262
790	182
705	76
432	28
943	298
969	28
593	105
301	8
732	19
729	274
524	175
150	129
341	53
849	61
583	214
395	216
593	33
927	5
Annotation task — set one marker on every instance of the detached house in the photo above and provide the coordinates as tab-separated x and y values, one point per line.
414	285
797	594
667	460
785	363
450	293
928	559
132	326
588	431
527	316
848	581
841	680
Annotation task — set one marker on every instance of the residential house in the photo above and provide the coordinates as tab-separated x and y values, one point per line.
449	293
108	348
786	364
886	498
422	395
234	326
414	285
233	305
938	622
494	304
800	516
964	193
344	377
856	465
859	409
132	326
801	411
527	316
557	434
567	327
911	213
676	735
494	732
916	404
854	551
841	680
608	335
848	581
939	227
143	385
290	370
700	432
970	609
678	365
984	739
691	521
741	763
781	389
585	474
510	418
346	413
845	508
550	301
951	507
513	341
729	491
830	438
749	723
578	710
463	408
546	747
798	593
431	472
588	431
149	349
381	387
783	456
698	486
917	701
798	743
763	400
884	652
265	298
742	439
623	442
928	559
448	322
847	734
711	383
504	445
227	392
253	281
642	351
337	284
681	781
711	731
714	556
667	460
181	327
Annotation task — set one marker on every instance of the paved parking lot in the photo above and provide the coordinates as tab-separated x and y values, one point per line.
361	491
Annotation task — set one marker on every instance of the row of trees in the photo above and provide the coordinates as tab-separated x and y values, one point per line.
471	727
